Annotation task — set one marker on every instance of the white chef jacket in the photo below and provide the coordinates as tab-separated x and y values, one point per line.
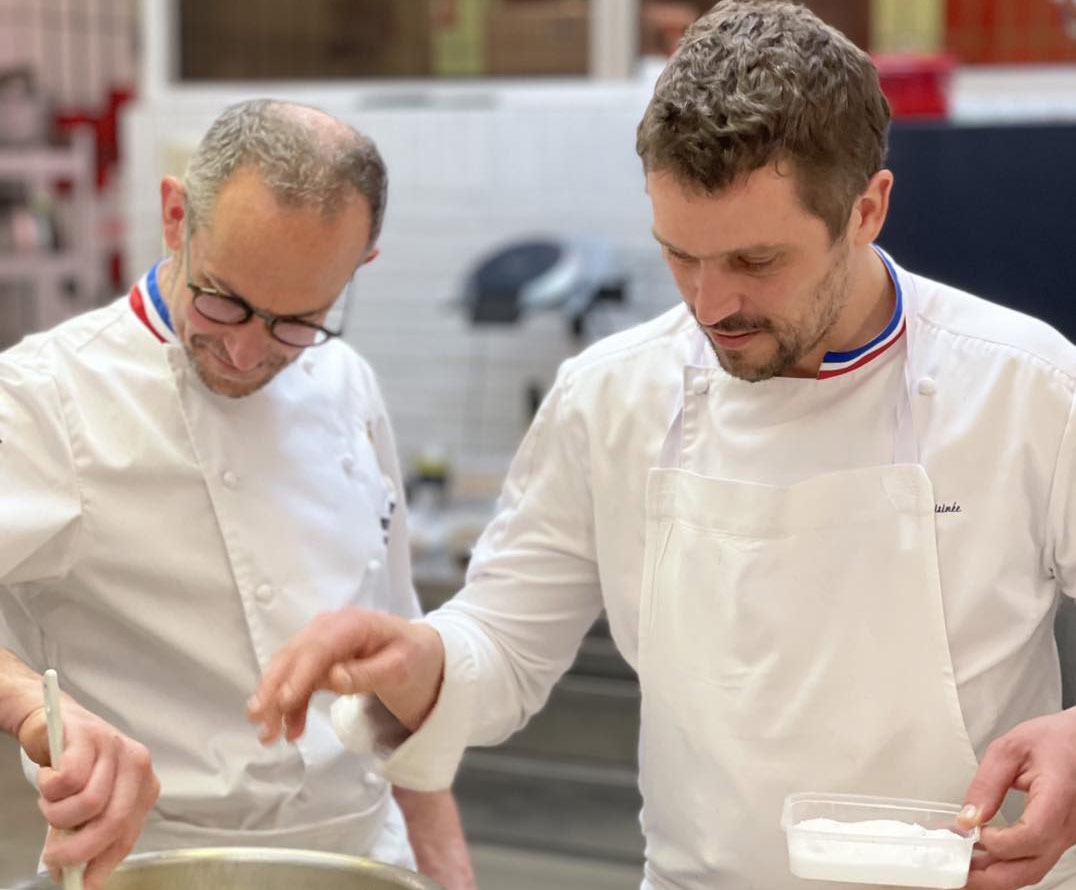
994	418
159	542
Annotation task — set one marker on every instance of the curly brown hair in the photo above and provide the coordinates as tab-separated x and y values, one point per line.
759	83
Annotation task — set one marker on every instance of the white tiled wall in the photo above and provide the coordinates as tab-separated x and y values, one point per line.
463	180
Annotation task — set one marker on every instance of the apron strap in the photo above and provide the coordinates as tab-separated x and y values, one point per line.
905	439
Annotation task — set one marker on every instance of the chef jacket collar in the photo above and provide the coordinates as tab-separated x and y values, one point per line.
836	363
148	304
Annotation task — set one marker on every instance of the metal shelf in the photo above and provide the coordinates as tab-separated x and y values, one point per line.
41	163
61	282
565	782
37	264
551	805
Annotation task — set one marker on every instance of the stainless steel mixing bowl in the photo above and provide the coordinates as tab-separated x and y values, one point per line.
252	868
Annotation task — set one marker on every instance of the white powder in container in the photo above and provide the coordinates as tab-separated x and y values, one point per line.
879	851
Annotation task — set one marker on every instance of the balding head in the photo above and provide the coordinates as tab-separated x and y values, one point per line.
306	157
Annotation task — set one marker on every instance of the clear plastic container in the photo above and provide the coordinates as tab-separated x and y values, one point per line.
874	840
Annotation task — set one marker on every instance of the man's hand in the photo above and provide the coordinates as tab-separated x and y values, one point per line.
347	652
1038	757
101	791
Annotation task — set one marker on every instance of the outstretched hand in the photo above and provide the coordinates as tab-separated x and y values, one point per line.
351	651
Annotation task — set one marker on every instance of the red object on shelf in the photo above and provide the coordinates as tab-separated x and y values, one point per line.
103	120
1011	32
916	84
104	123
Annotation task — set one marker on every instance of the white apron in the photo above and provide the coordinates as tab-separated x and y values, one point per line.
791	639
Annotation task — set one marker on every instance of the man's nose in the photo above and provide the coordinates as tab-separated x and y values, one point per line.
717	295
248	344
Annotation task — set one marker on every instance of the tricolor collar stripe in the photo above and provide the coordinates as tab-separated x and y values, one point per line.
150	308
138	305
825	372
155	296
834	363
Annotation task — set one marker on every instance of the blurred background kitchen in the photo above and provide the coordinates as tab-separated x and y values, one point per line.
517	232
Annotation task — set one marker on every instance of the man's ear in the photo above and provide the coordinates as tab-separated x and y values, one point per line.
871	209
173	212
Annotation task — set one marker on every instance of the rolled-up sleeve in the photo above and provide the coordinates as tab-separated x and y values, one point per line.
40	506
532	592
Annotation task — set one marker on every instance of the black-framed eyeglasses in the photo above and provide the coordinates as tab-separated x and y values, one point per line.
222	308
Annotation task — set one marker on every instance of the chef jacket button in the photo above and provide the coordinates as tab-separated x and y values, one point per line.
374	565
927	386
371	778
229	478
264	594
308	366
700	386
348	463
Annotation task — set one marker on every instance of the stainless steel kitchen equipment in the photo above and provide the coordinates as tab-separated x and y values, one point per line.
566	275
566	782
252	868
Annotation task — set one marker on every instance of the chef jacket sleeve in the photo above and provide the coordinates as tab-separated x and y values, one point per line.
531	593
1063	509
20	634
404	599
40	506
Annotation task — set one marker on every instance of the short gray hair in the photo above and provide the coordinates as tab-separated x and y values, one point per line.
302	164
754	83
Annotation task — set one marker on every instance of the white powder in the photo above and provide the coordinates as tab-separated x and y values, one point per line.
941	860
352	725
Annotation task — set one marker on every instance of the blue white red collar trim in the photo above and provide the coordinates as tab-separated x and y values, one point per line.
836	363
149	306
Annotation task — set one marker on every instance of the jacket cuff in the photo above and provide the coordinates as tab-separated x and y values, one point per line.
428	759
29	768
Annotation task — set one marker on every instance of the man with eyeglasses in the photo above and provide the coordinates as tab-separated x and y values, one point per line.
194	472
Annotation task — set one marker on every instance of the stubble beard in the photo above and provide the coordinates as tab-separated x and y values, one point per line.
197	354
794	342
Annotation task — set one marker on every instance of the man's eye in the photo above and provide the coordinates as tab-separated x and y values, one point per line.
752	264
